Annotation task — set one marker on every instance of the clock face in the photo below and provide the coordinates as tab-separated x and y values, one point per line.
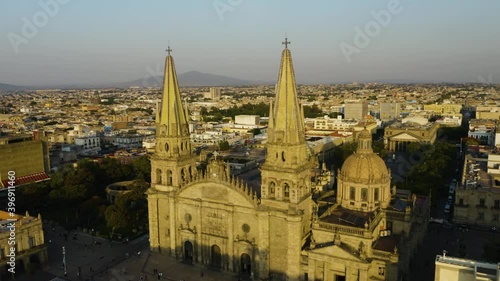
187	217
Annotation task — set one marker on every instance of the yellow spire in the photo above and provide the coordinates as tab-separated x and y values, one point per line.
173	115
287	116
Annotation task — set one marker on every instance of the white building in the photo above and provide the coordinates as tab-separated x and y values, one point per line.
327	123
89	142
457	269
450	121
247	119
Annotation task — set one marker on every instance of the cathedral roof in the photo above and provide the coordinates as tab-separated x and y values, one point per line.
361	167
173	115
365	165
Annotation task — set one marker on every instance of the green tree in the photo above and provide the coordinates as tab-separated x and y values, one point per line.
142	168
224	145
312	111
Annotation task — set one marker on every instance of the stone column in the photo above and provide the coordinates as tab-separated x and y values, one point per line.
173	228
311	269
198	235
230	238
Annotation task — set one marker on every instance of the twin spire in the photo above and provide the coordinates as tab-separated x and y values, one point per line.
172	113
286	119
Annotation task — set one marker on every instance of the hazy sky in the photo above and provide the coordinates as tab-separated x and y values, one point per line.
96	41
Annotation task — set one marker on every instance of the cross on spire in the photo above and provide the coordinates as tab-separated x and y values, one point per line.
286	42
169	50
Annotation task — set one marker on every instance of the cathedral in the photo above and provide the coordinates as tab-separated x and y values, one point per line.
362	231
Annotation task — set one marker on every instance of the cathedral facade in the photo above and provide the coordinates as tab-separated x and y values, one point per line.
277	231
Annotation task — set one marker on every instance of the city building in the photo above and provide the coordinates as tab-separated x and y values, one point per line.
275	230
214	94
483	130
443	109
26	156
457	269
389	111
397	136
247	119
477	196
488	112
30	248
356	111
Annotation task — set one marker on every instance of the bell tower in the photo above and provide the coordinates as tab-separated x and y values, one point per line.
286	176
173	162
172	165
287	167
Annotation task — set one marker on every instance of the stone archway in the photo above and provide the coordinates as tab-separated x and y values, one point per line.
188	252
215	257
246	264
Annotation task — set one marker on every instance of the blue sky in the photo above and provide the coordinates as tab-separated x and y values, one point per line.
96	41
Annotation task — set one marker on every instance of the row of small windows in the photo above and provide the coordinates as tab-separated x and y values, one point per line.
286	191
169	175
184	145
282	156
364	194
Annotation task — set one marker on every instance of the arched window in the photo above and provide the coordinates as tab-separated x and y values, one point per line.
158	176
169	177
183	175
286	188
190	170
272	188
352	193
376	194
283	156
364	194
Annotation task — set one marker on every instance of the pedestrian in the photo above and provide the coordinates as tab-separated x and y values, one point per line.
139	254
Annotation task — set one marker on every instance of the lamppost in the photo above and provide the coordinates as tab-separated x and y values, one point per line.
64	260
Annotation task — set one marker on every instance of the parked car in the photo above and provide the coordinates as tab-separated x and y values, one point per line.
447	209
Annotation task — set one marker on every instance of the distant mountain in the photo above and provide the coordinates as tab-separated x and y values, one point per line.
9	87
193	79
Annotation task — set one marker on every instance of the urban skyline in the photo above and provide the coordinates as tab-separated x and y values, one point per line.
388	41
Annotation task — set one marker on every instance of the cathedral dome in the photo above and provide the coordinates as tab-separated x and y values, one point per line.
366	168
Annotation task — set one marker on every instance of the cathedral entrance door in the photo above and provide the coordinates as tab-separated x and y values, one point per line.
246	264
188	252
216	258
